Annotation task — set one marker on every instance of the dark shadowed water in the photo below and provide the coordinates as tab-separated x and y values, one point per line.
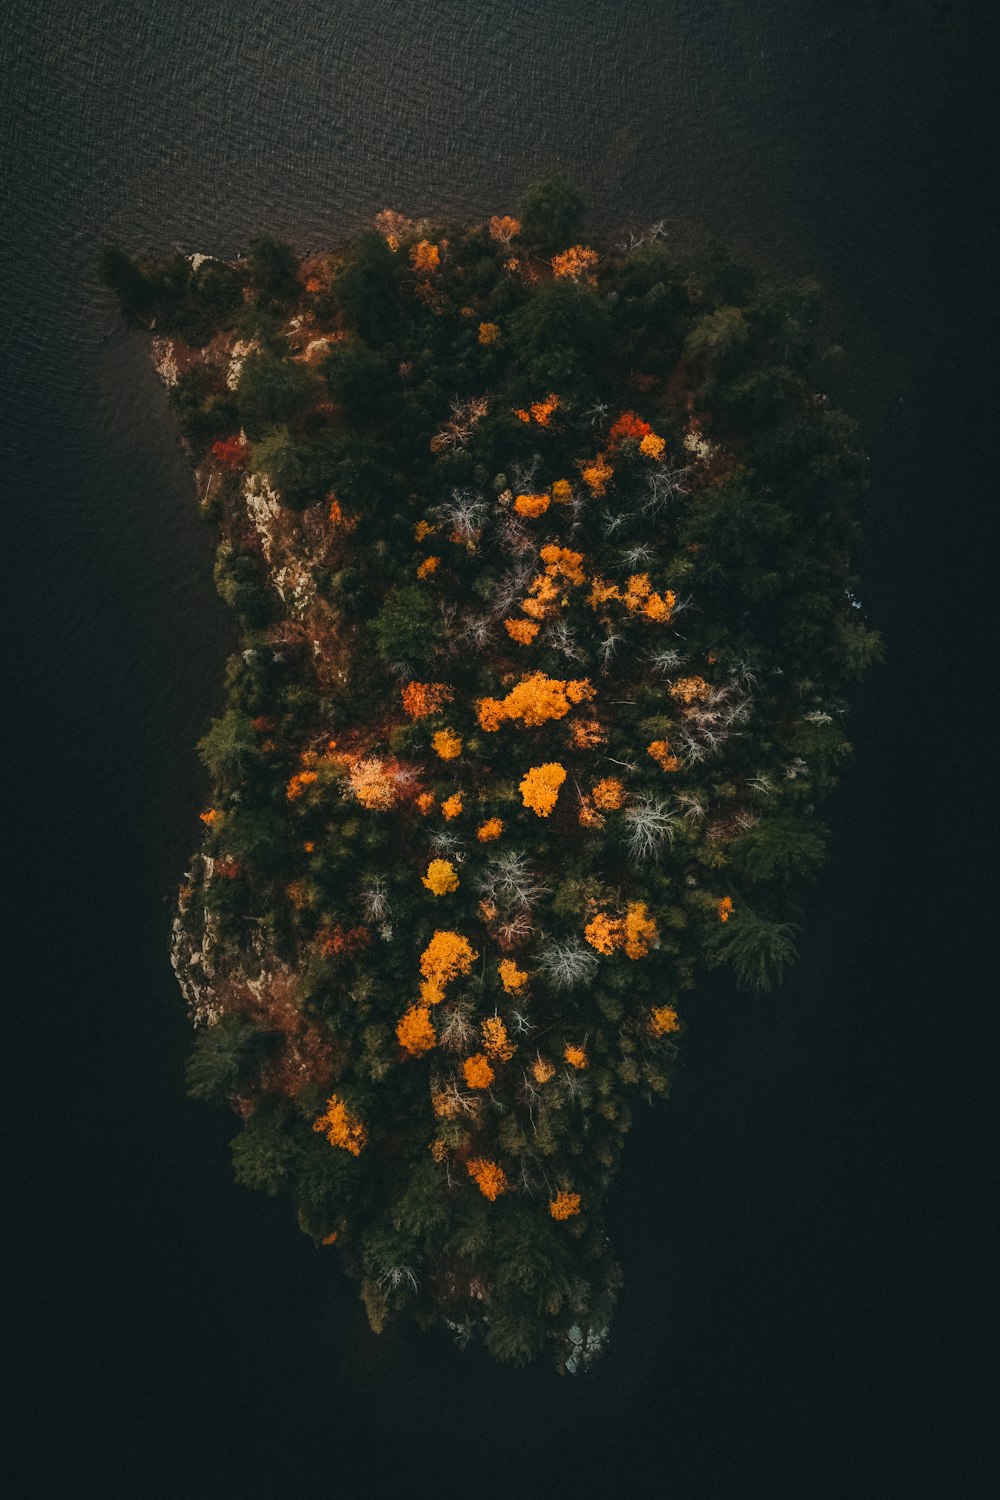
792	1225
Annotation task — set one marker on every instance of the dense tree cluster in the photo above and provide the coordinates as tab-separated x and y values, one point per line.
541	554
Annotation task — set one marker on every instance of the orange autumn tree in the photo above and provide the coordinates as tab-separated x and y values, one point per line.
535	700
477	1071
420	699
629	427
540	787
425	257
489	1177
504	228
447	956
441	878
578	261
341	1128
532	505
496	1043
635	933
415	1031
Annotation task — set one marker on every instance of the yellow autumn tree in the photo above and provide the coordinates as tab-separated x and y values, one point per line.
489	1177
535	700
522	631
564	1205
634	934
597	474
447	744
688	690
372	785
511	977
441	877
563	562
423	698
447	956
504	228
415	1031
496	1042
542	1070
640	932
341	1128
531	505
539	788
604	933
661	753
608	794
477	1071
663	1019
425	257
577	261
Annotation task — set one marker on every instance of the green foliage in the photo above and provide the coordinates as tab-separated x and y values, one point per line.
243	584
273	273
204	413
405	628
367	289
361	380
551	214
271	391
229	750
263	1153
717	335
135	290
758	948
218	289
561	339
782	847
293	468
227	1055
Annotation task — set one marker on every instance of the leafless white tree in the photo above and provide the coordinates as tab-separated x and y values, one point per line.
666	660
608	646
522	475
375	899
465	513
510	881
560	638
456	1031
650	824
567	964
396	1276
638	557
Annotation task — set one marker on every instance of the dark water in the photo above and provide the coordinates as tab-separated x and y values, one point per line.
795	1227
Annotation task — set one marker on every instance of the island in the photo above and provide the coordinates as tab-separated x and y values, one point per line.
541	553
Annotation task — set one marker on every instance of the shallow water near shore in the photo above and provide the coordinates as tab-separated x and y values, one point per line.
183	1338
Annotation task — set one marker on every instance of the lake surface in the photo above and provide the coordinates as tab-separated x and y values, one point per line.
786	1222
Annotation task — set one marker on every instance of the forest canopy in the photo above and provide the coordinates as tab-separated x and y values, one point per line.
541	554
